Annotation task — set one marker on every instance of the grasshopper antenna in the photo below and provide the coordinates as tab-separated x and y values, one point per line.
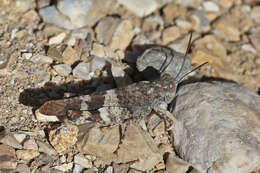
196	68
187	50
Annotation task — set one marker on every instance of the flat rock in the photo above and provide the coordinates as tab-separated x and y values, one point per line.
176	165
138	146
70	55
164	58
76	14
62	69
46	148
101	143
10	140
26	155
143	7
218	129
66	167
81	160
8	158
122	36
170	34
30	144
63	138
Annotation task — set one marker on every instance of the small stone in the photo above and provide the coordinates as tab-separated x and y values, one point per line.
63	159
42	77
26	155
24	5
63	138
255	38
174	164
27	55
200	22
22	168
144	152
46	118
255	14
81	71
170	34
8	158
248	47
42	59
43	3
62	69
109	169
30	144
67	167
81	160
210	6
98	50
144	7
184	24
227	31
152	23
172	11
120	168
211	50
226	3
122	36
106	28
4	58
10	140
46	148
70	55
19	137
57	39
77	168
100	143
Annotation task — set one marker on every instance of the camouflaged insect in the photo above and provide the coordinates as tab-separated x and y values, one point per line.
117	105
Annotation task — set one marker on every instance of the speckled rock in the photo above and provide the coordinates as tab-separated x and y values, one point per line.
218	128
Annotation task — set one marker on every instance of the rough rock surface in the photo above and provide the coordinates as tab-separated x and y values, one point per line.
219	127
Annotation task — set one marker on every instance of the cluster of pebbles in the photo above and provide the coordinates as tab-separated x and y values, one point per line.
53	50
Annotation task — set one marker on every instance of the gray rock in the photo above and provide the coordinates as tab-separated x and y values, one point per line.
76	14
81	70
143	7
62	69
77	168
219	127
21	168
46	148
161	58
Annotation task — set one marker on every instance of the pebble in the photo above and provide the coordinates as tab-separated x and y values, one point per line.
42	59
200	22
109	169
170	34
176	165
81	160
46	148
100	143
4	58
143	7
81	71
210	6
25	5
120	76
30	144
22	168
227	31
46	118
120	168
70	55
144	152
63	138
26	155
227	115
8	158
152	23
11	141
255	14
76	14
20	137
249	48
98	50
184	24
122	36
255	38
172	11
62	69
57	39
67	167
77	168
106	28
27	55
